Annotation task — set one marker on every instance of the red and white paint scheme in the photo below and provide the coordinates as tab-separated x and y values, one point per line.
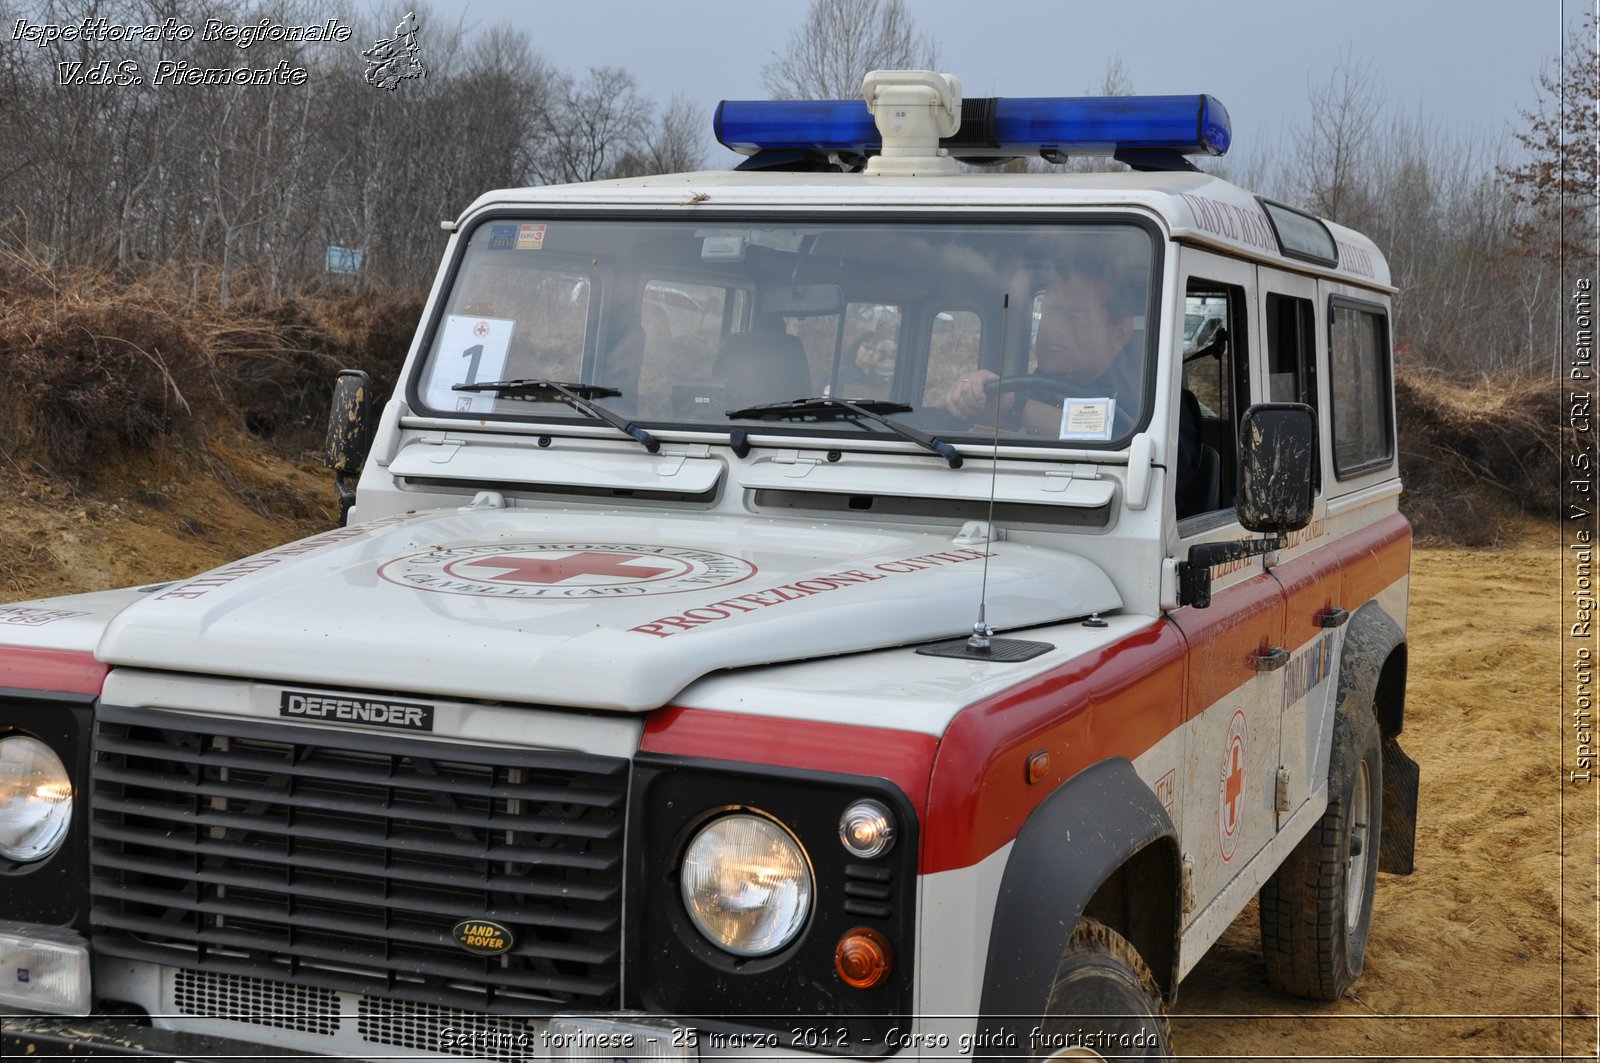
602	557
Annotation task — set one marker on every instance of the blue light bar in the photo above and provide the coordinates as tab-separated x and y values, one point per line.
1067	125
749	126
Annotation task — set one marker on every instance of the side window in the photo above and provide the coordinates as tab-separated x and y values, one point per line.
953	349
1291	350
1359	386
1214	380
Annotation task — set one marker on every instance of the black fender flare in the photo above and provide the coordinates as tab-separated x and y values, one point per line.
1372	671
1092	826
1369	644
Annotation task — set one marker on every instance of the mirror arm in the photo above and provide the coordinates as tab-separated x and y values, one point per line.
1194	575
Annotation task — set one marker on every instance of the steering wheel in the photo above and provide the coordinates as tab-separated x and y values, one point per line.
1030	386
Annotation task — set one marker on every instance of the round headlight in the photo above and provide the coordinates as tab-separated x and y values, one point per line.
747	884
35	799
867	829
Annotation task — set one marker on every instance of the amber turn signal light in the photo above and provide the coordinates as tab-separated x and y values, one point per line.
863	958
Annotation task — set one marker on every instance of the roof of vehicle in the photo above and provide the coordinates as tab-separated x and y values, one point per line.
1195	207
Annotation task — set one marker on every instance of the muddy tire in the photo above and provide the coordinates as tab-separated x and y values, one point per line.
1103	1003
1316	910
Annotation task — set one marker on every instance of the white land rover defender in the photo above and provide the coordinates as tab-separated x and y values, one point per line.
852	605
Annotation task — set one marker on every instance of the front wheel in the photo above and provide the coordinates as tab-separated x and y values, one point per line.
1316	910
1103	1003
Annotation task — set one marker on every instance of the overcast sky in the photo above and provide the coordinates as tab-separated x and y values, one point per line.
1468	64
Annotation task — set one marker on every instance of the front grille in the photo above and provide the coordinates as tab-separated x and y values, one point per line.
342	859
256	1000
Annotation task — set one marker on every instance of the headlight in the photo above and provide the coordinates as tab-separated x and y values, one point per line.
35	799
747	884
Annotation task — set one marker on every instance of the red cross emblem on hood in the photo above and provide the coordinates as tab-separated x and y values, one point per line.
522	569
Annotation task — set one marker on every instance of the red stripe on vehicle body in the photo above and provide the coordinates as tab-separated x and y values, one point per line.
902	757
1373	558
55	671
1224	639
1118	700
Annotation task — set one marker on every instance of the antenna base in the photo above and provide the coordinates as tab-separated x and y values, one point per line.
1000	651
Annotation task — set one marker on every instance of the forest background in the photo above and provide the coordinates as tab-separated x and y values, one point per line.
165	250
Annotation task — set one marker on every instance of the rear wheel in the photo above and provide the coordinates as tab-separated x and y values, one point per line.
1103	1003
1316	910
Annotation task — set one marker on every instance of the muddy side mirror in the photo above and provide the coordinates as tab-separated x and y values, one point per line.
349	434
1277	467
1277	485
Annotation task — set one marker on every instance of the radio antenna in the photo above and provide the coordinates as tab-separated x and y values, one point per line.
981	645
982	631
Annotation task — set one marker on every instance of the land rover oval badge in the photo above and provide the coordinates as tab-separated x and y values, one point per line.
482	936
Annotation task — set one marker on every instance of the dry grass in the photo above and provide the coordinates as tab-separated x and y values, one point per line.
100	363
1477	458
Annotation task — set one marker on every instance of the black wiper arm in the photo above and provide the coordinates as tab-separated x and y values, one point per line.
577	396
827	409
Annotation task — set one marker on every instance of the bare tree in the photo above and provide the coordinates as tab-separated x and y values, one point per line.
1331	151
1559	179
839	42
591	127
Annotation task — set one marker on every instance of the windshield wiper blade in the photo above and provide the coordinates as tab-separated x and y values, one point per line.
829	409
577	396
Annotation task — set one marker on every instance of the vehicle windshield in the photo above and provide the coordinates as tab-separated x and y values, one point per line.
1040	329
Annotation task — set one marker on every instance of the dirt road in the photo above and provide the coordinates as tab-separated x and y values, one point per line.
1474	956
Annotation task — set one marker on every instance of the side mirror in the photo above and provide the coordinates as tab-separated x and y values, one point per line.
349	434
1277	485
1277	467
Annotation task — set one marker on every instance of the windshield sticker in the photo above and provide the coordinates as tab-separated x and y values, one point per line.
530	237
1088	419
502	237
472	350
565	570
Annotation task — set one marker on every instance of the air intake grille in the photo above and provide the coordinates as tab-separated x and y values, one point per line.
258	1001
445	1031
342	860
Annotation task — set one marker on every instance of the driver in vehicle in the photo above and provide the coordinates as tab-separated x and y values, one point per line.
1085	331
1087	341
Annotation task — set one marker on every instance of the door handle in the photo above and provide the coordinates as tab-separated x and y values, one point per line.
1272	659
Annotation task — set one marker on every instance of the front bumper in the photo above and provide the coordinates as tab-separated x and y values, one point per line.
54	1037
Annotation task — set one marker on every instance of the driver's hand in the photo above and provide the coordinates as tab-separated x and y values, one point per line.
967	398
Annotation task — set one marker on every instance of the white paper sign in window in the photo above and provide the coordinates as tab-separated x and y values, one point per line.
471	351
1088	419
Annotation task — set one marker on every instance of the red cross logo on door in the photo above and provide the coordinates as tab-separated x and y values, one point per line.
1230	811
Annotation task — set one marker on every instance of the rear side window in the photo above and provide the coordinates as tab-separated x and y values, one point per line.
1358	357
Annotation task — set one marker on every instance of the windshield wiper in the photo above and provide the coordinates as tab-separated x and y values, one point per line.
827	409
575	395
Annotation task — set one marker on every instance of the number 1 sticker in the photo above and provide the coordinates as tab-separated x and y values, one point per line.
472	350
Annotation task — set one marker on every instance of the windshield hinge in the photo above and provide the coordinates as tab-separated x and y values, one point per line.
446	446
1061	479
802	463
671	458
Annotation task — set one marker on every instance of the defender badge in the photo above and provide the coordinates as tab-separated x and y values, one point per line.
482	936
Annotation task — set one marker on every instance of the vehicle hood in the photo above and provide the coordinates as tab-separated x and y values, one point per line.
610	611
